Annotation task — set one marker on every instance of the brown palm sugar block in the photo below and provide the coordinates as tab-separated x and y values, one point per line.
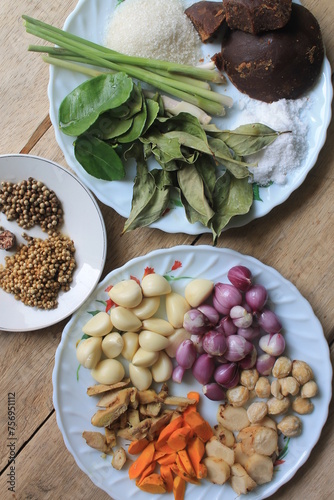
274	65
207	18
254	16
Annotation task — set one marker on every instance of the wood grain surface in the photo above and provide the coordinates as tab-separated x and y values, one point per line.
296	238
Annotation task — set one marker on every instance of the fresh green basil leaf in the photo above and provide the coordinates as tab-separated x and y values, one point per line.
98	158
81	107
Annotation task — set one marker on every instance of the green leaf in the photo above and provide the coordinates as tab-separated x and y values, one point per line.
231	197
152	112
223	155
137	128
256	192
108	127
81	107
249	139
206	169
98	158
192	189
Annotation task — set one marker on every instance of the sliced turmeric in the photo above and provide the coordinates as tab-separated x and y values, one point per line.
167	476
153	484
186	463
179	438
174	424
143	461
200	426
167	459
196	450
146	472
179	488
137	446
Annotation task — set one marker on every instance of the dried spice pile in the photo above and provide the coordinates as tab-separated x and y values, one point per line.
38	271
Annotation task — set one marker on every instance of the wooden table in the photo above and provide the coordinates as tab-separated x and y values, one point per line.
296	238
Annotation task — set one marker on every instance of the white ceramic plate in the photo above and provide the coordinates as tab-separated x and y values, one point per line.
89	20
304	338
83	223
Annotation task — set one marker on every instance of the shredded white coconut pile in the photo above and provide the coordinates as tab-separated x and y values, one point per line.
157	29
288	151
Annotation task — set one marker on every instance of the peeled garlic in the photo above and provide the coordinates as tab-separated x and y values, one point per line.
176	308
147	307
197	291
151	341
158	325
130	345
163	368
124	319
145	358
99	325
155	284
112	345
108	371
126	293
89	352
140	377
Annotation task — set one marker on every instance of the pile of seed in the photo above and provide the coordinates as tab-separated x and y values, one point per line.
30	202
39	270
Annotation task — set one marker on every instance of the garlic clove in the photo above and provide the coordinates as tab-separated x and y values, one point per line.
99	325
126	293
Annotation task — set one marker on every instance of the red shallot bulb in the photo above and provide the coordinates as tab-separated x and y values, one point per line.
210	312
186	354
226	326
240	277
273	344
256	297
196	322
250	333
240	317
249	361
214	391
225	296
214	343
177	374
197	340
265	363
227	375
203	368
269	322
237	348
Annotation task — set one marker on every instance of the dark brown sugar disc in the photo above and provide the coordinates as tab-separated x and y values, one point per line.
278	64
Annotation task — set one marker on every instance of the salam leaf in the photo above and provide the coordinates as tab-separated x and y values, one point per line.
81	108
98	158
231	197
249	139
223	155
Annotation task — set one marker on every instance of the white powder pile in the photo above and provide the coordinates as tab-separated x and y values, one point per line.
288	151
156	29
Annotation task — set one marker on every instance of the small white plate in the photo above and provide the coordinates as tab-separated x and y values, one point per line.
90	20
304	339
83	223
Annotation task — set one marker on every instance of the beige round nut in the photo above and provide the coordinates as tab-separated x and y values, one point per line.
309	390
124	320
262	388
99	325
257	411
275	389
301	371
130	345
158	325
289	385
126	293
176	308
147	307
175	340
303	406
197	291
155	284
290	426
249	378
140	377
151	341
237	396
162	369
282	367
278	406
145	358
112	345
89	352
108	371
